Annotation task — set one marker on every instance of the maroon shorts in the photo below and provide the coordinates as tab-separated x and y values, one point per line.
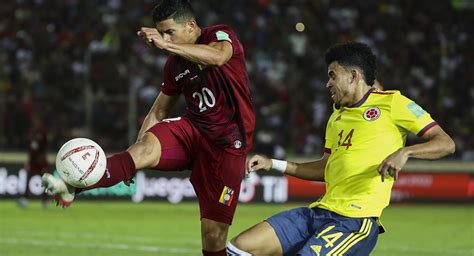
216	173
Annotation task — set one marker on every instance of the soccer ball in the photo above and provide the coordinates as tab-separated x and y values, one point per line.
81	162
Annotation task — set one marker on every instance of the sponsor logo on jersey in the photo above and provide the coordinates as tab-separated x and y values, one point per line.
181	75
372	114
226	196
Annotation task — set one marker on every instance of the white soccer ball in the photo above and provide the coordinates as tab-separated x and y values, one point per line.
81	162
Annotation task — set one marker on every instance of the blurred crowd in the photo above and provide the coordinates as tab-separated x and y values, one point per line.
55	52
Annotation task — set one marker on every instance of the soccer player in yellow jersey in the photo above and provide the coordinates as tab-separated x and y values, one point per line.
364	152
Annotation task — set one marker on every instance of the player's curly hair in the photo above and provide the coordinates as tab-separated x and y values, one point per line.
354	54
178	10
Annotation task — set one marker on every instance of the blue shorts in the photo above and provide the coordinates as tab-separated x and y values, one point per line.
315	231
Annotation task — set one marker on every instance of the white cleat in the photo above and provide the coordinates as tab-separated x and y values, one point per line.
62	192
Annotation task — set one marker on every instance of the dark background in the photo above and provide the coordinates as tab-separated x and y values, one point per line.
80	68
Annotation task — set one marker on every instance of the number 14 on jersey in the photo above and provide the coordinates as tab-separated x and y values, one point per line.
347	141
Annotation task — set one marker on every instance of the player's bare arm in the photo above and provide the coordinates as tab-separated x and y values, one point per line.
438	144
213	54
313	171
159	111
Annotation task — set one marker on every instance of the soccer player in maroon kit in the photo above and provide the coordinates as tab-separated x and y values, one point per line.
212	138
37	158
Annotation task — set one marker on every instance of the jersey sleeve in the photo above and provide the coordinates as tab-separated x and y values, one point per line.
169	86
410	116
224	33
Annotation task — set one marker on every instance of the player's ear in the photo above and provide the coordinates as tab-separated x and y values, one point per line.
354	75
191	25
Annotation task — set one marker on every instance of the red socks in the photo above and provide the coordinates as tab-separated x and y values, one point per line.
120	167
219	253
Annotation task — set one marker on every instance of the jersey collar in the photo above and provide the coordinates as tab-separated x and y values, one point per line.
361	101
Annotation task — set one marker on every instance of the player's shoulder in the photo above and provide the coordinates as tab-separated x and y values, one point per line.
396	95
218	30
392	98
217	27
385	95
385	92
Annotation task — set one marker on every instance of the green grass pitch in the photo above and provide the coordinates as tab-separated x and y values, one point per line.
107	228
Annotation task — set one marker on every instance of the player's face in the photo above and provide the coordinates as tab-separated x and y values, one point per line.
340	84
179	33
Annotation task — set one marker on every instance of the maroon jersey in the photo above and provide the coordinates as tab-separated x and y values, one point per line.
38	148
218	98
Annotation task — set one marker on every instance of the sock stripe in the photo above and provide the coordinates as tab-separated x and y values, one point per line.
232	250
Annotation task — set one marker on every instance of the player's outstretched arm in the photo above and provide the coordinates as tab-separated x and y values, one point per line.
158	112
438	145
308	171
213	54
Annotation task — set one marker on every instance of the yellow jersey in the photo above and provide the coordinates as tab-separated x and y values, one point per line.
359	138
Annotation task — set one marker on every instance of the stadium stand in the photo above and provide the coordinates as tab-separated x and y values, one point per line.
81	67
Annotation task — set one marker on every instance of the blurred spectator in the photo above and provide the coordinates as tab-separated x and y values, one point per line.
54	52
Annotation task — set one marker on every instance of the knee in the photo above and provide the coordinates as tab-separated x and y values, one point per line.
240	243
213	234
236	246
214	238
146	152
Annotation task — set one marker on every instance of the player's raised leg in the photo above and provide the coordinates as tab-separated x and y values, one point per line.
120	167
164	147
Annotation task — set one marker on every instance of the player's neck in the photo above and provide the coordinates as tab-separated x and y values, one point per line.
360	93
197	34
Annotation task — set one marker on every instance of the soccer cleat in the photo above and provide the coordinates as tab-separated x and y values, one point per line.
62	192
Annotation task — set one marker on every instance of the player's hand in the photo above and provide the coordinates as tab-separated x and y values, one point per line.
258	162
393	164
152	36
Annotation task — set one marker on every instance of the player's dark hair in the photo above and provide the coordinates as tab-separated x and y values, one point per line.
178	10
354	54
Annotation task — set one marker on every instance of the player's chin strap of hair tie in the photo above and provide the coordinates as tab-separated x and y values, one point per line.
279	165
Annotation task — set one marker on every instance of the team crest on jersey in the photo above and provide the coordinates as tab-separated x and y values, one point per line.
372	114
226	196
